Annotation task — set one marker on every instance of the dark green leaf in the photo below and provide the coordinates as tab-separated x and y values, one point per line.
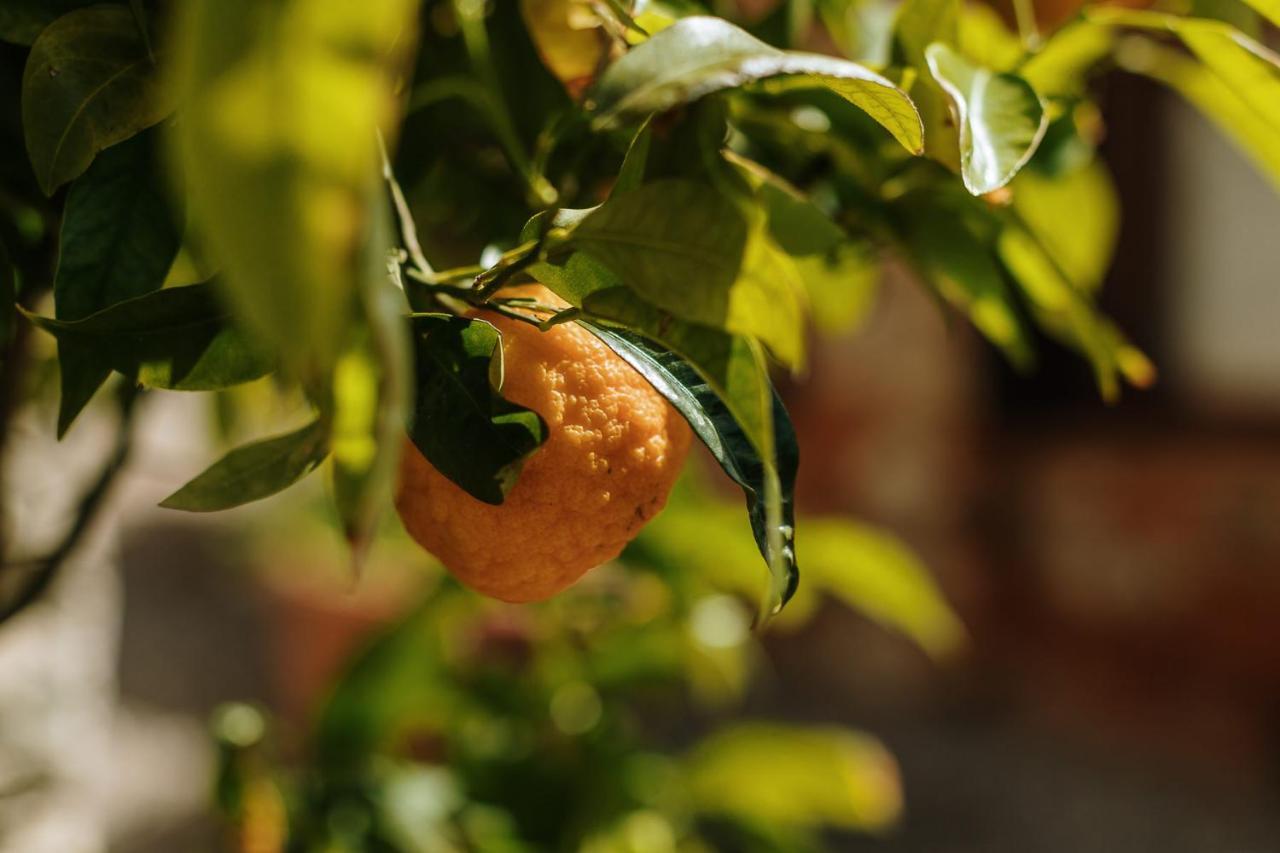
700	55
1000	116
21	21
460	421
88	84
254	471
118	240
181	338
711	420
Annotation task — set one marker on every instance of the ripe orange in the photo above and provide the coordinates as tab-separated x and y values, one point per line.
614	449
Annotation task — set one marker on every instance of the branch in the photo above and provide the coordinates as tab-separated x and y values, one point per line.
43	571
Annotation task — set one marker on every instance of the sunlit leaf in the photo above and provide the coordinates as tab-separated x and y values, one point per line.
370	397
568	36
875	574
1241	93
1269	9
88	83
920	23
807	777
1063	61
1068	314
254	471
839	274
1000	117
460	421
983	38
278	145
119	237
715	426
180	338
1219	102
1081	246
689	250
700	55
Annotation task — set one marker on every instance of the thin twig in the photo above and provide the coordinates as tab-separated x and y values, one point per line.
44	570
408	229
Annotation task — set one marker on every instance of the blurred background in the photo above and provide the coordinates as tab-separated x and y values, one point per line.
1116	571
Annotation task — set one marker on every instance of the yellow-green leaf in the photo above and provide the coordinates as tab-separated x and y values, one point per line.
797	777
1000	116
278	145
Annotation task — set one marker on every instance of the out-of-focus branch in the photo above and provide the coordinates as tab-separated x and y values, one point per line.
41	572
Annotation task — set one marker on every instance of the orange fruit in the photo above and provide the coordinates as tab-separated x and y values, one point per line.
614	449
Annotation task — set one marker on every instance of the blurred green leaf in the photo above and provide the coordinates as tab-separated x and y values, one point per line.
1062	64
689	250
1218	101
460	421
1081	246
839	274
715	426
279	150
920	23
88	84
1240	92
875	574
984	39
370	397
568	36
699	55
181	338
956	261
118	239
1000	116
806	777
254	471
1269	9
1069	315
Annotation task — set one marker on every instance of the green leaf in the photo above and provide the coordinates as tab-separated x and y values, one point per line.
371	387
21	21
118	240
1241	92
700	55
1235	116
88	84
840	274
921	23
809	777
181	338
1269	9
689	250
874	573
713	422
947	250
460	421
279	150
1080	245
1000	116
254	471
1061	66
1068	314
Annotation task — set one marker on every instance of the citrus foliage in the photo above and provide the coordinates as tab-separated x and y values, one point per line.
692	187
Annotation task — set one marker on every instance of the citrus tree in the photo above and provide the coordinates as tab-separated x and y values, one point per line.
511	258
